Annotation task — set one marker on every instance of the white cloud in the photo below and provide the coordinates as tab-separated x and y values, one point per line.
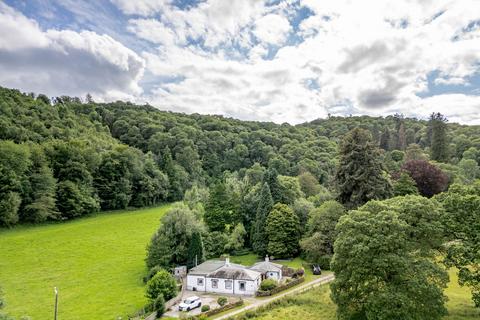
216	56
272	29
65	62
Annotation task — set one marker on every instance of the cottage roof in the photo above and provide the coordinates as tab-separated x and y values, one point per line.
266	266
206	267
234	271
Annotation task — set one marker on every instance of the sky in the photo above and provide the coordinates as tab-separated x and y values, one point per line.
282	61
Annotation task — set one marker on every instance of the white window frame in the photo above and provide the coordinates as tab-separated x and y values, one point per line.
214	283
200	282
228	284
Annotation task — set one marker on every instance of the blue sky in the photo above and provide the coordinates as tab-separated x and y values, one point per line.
283	61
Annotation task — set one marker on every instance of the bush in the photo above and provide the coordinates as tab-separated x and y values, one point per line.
162	283
153	271
205	308
159	305
299	273
294	282
268	284
222	301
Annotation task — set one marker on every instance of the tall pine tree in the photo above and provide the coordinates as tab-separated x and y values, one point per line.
360	175
385	139
218	210
438	143
271	177
195	253
259	235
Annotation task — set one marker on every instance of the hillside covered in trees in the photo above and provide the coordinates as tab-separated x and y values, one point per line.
335	191
64	158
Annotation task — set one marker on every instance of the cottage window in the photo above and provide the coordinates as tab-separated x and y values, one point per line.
242	285
200	282
228	284
214	283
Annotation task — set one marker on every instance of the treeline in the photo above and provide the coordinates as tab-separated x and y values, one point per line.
95	156
56	164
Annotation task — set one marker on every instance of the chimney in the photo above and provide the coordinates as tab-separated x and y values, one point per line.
266	258
227	261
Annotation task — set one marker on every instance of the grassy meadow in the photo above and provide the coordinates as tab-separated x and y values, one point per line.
316	304
96	262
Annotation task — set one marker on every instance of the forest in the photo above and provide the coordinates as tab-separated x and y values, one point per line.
336	191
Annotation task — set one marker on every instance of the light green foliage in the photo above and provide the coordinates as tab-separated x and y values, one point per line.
268	284
404	185
321	233
289	189
462	223
169	245
415	152
384	261
360	175
470	169
282	232
302	208
196	196
163	283
222	301
309	184
96	262
236	240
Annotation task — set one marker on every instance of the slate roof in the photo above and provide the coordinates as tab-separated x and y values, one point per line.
223	270
206	267
266	266
232	271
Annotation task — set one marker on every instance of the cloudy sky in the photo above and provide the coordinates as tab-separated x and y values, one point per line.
283	61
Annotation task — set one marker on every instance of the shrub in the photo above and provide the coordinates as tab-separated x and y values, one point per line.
205	308
159	305
153	271
268	284
222	301
162	283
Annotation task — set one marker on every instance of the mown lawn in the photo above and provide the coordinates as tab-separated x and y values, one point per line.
316	304
97	263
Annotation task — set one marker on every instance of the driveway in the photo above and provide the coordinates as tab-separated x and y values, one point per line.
207	299
260	302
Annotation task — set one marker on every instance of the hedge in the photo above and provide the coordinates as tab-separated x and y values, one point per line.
278	289
226	307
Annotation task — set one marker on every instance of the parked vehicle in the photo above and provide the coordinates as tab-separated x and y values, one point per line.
190	303
316	269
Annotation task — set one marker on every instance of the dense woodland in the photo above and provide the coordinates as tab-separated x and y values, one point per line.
337	191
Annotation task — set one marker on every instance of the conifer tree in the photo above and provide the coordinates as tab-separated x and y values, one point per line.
259	236
218	210
360	175
271	177
282	231
385	139
401	142
195	254
438	144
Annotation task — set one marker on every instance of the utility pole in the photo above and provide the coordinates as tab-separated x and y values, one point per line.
196	261
56	304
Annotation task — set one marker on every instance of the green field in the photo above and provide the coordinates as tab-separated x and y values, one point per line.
316	304
96	262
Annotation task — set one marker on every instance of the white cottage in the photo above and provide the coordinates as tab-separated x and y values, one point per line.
223	277
268	269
